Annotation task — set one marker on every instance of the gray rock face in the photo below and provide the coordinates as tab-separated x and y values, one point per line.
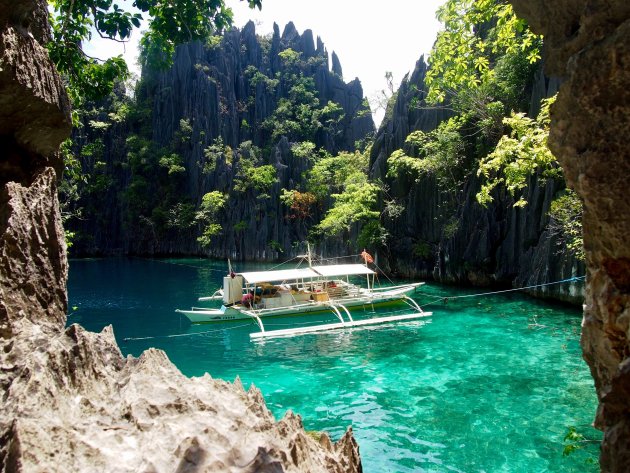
34	119
70	400
212	88
33	266
403	118
336	65
495	245
589	45
74	403
34	108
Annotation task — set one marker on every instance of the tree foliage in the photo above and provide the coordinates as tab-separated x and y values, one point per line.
250	173
299	115
169	23
439	153
211	204
481	68
356	203
332	173
300	203
519	155
566	222
475	34
355	197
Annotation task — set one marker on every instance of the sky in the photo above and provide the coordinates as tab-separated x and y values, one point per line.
370	37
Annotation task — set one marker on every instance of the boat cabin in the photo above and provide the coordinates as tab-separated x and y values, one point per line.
289	287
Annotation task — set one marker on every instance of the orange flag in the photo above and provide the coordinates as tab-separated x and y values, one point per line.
367	257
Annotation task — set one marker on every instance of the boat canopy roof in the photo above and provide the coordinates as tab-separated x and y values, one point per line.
305	273
342	270
280	275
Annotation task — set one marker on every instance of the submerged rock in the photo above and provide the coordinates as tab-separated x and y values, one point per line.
70	400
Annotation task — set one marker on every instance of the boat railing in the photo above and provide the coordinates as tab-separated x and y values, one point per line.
391	288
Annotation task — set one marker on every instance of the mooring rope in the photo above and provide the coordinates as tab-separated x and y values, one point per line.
186	334
383	272
280	264
448	298
181	264
334	258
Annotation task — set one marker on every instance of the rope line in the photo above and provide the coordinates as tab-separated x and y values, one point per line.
383	272
186	334
334	258
573	279
280	264
182	264
224	271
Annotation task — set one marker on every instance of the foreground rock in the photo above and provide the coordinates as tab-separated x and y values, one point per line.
75	404
70	400
589	45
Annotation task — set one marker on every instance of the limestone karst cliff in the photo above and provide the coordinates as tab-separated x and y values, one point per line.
228	115
228	102
461	241
70	400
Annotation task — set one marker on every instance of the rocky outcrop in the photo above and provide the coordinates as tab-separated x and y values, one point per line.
467	243
33	265
401	118
74	403
589	45
34	119
70	400
33	104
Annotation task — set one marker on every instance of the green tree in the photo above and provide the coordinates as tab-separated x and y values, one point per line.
304	149
566	222
523	154
358	203
331	173
169	23
519	155
250	174
439	153
475	34
355	198
211	204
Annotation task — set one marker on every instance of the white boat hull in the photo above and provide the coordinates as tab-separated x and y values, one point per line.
364	298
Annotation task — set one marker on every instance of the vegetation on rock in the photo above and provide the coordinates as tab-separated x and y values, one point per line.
170	24
166	187
281	154
481	69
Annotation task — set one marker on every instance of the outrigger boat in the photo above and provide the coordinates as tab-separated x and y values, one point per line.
316	288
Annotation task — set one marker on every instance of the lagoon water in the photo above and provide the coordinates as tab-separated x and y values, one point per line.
487	384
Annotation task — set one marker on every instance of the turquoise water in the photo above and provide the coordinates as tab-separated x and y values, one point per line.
487	384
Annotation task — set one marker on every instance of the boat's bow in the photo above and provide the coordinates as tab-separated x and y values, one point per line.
196	315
